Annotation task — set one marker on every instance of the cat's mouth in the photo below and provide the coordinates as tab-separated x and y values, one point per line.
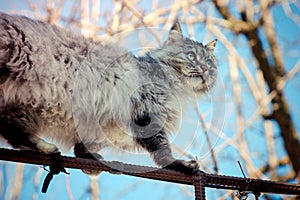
196	75
192	74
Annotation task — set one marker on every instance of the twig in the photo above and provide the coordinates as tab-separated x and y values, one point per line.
288	11
16	190
68	186
207	137
94	188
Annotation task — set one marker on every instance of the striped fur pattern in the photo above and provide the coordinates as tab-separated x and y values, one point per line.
73	91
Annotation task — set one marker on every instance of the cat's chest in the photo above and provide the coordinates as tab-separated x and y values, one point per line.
118	136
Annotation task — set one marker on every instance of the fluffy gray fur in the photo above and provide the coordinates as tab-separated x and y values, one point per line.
78	92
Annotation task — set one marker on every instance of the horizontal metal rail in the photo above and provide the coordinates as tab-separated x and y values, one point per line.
199	180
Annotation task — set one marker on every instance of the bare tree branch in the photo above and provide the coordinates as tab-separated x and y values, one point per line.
205	130
287	9
68	186
94	188
272	75
268	26
18	182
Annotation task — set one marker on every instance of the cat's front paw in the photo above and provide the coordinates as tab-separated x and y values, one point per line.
81	151
187	167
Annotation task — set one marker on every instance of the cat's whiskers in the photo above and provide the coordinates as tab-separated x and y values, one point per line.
208	89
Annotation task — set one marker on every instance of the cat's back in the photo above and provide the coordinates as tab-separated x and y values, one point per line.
30	30
37	60
32	49
41	43
40	57
59	75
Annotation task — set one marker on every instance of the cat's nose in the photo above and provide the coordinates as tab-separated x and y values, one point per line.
204	68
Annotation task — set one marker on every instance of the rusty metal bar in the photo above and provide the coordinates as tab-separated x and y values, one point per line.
199	180
199	187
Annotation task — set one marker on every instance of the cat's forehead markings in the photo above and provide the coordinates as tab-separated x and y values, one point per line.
190	48
192	42
195	46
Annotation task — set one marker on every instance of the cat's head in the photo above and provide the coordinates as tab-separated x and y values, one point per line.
193	61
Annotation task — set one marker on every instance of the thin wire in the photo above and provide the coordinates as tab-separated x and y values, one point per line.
241	169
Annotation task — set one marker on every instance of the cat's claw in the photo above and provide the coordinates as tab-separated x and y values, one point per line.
187	167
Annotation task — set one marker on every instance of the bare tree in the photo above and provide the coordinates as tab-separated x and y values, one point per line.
274	74
260	78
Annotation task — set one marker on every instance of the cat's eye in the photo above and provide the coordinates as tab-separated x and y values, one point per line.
209	62
191	56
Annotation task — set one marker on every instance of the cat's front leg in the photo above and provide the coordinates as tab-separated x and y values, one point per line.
150	135
81	151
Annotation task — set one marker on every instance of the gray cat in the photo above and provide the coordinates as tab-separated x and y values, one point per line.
87	95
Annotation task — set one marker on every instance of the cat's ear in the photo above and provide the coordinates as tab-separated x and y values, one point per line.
211	45
176	27
175	33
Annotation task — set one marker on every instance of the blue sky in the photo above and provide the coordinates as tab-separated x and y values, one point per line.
116	186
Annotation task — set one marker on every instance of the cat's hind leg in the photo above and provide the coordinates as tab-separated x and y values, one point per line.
18	126
17	138
42	145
